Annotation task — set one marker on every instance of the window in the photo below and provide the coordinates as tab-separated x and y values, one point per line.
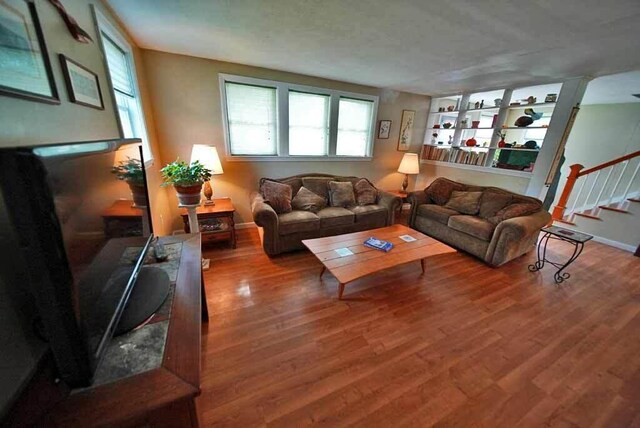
308	124
276	120
354	127
125	88
251	118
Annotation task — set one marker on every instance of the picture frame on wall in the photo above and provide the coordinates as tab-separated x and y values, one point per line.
383	129
406	130
25	68
83	85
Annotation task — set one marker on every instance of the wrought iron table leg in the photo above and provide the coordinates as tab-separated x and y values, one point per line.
559	276
541	252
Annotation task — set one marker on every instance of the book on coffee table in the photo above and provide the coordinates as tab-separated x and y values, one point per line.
378	244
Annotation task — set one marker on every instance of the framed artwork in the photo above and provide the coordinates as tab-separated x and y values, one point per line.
82	84
25	69
383	129
406	130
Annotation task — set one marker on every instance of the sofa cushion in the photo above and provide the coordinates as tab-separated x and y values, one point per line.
436	212
440	190
306	200
464	202
297	221
370	213
472	225
366	193
492	202
341	194
278	195
318	185
515	210
335	216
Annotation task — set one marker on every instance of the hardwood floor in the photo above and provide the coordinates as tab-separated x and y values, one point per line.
462	345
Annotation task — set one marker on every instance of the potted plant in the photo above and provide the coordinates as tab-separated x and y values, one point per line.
131	172
187	179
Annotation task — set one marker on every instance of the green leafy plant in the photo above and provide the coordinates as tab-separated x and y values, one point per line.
179	173
129	170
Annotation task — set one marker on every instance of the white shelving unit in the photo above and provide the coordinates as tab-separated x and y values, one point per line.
495	112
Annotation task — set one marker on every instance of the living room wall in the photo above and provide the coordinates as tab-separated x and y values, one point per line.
186	104
25	122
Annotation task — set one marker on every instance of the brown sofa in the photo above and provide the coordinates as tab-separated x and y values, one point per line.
488	234
285	232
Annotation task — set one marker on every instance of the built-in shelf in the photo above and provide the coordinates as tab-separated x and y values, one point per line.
482	109
524	106
523	127
487	169
515	148
471	147
442	129
475	129
444	112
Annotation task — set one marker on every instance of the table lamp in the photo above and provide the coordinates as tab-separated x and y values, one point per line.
207	156
408	165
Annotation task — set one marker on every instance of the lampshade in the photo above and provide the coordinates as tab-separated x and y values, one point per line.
207	156
409	164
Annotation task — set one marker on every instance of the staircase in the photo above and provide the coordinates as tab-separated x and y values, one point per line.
607	203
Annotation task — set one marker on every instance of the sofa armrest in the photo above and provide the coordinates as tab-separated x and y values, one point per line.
515	236
391	202
265	217
415	199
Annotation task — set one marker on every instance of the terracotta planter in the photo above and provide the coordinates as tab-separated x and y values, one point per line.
139	194
189	195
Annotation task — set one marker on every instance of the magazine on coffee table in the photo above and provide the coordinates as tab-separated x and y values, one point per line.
378	244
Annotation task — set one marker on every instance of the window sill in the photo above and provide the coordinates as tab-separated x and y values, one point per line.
298	158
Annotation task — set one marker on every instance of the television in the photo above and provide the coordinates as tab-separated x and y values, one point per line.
82	278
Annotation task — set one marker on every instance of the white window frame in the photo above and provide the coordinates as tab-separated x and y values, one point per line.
105	26
282	119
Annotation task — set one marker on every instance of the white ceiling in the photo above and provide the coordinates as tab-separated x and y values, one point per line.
430	47
613	89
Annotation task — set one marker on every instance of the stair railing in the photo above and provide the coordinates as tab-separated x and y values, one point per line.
577	171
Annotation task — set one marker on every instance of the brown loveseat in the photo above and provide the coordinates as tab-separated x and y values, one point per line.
285	232
497	227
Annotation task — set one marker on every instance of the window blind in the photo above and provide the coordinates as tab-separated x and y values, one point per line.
354	127
251	114
308	124
118	67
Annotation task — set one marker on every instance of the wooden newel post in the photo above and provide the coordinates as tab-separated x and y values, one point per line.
558	210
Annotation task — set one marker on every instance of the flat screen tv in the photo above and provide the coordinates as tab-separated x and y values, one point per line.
81	272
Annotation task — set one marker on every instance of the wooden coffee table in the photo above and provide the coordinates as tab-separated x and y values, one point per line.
365	260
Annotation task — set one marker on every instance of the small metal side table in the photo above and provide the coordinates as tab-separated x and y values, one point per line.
577	239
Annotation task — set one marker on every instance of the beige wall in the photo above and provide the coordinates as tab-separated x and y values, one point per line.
186	104
24	122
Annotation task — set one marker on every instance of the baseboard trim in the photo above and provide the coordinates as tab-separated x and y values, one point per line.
615	244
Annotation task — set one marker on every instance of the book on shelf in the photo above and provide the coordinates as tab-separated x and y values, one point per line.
435	153
378	244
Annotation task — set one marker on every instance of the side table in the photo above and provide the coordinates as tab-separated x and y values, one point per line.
577	239
215	221
402	195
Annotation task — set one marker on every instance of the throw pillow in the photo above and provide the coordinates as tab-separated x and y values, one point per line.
341	194
366	193
306	200
514	210
278	195
464	202
440	190
318	185
492	202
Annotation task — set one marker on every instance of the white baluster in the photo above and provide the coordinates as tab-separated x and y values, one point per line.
575	202
586	201
596	207
633	177
613	192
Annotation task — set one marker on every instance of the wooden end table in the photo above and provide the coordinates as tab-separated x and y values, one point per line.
121	219
364	260
215	221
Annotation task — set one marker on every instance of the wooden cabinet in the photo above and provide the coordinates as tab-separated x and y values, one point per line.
215	221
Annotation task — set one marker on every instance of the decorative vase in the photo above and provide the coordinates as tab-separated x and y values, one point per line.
139	194
471	142
189	195
475	123
497	102
502	143
447	125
